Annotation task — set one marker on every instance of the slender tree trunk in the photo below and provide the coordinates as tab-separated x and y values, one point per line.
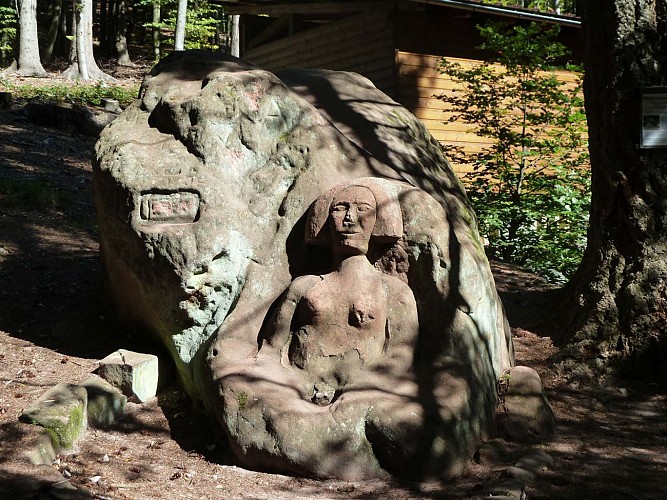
113	17
104	23
55	11
236	36
72	32
83	65
618	298
28	63
179	37
156	29
121	35
81	52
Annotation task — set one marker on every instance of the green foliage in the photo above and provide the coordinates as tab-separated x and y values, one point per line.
203	21
78	93
565	6
7	29
530	187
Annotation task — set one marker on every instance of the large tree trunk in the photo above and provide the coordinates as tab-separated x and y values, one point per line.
28	63
618	298
83	65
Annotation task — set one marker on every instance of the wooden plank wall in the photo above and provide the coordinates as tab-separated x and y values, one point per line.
362	43
419	82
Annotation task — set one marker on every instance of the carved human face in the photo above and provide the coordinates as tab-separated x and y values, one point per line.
352	217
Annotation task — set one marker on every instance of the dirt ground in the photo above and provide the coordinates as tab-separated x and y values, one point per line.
611	441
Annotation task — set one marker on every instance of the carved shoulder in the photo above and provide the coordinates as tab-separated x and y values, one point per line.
399	292
290	300
300	286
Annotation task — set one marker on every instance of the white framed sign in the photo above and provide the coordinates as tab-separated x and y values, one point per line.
654	118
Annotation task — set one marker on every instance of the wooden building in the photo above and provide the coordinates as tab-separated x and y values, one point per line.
397	44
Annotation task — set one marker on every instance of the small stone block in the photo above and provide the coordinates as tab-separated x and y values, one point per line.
62	412
105	402
111	105
134	373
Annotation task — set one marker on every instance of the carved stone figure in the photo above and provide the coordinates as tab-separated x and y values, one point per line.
334	325
372	346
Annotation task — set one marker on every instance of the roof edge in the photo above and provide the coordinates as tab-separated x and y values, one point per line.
504	11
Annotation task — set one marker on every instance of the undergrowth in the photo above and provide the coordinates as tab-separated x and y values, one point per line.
77	93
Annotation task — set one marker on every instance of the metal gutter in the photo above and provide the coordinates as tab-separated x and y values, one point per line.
503	11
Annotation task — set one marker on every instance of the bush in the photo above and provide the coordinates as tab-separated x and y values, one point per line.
7	30
530	187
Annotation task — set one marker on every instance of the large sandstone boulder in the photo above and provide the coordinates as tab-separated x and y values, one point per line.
204	190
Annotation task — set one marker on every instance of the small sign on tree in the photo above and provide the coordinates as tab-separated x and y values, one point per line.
654	118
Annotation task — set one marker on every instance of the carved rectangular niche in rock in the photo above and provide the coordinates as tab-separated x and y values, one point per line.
179	207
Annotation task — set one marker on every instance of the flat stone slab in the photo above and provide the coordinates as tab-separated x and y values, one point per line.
105	403
62	412
134	373
512	488
524	475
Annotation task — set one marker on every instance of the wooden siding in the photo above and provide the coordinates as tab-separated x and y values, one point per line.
363	43
419	82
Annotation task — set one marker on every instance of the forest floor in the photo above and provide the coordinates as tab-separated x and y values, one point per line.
611	441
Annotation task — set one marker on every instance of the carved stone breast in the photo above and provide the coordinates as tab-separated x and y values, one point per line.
335	320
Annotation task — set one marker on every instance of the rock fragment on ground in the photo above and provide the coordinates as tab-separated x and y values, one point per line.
42	452
535	460
524	475
135	374
525	414
62	412
495	452
105	403
512	488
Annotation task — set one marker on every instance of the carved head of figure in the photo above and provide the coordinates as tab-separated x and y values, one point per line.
348	216
351	220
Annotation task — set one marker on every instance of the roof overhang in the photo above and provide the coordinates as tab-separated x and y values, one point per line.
327	8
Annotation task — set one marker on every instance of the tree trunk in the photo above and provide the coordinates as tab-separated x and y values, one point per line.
29	63
618	298
121	36
179	37
82	63
54	13
156	29
103	23
236	36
